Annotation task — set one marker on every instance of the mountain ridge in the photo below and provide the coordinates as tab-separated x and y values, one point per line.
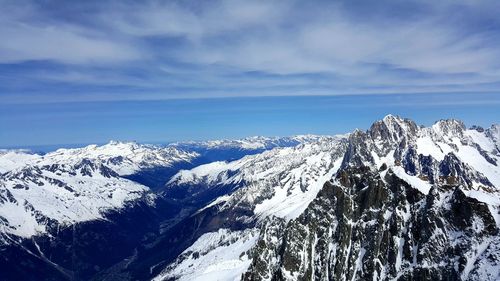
272	198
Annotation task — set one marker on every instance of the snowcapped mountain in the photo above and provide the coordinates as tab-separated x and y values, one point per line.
36	197
398	201
40	192
444	153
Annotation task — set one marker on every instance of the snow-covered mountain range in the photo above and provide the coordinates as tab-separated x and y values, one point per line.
74	185
397	182
124	158
398	201
250	143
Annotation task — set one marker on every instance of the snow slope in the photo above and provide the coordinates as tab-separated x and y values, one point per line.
12	159
218	255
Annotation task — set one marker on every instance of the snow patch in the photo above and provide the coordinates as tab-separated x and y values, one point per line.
414	181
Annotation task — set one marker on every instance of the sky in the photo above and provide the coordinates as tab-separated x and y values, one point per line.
78	72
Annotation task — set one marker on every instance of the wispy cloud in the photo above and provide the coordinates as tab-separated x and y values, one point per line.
183	49
28	35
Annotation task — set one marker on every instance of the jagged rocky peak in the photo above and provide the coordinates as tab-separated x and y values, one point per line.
495	129
494	133
449	127
393	128
477	128
364	227
400	141
358	150
392	134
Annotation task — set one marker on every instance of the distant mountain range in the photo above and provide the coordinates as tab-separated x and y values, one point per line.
398	201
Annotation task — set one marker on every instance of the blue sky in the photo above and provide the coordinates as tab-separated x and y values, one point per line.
157	71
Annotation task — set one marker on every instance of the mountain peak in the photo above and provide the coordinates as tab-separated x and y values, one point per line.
114	142
122	143
392	120
393	128
390	117
448	127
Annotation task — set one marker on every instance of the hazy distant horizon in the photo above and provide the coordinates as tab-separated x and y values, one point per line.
44	148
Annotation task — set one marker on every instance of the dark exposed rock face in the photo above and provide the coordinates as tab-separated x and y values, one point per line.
87	167
453	171
267	253
391	135
450	170
364	227
393	129
451	127
477	128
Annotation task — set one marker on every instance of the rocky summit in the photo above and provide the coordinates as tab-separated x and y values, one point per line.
398	201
